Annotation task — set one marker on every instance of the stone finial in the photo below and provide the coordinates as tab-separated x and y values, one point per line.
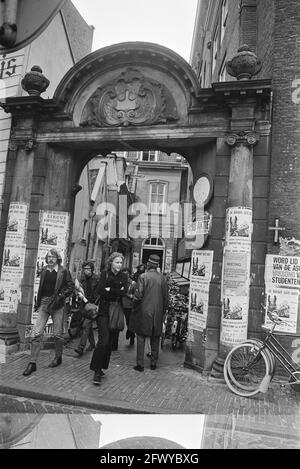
34	82
244	65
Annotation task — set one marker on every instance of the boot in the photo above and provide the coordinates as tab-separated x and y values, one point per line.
55	362
31	367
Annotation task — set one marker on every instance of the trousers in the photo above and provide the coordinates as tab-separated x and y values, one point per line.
38	331
140	349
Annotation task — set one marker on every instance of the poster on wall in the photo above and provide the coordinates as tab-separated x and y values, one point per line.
200	276
282	286
53	234
238	229
13	257
282	271
284	301
201	266
235	273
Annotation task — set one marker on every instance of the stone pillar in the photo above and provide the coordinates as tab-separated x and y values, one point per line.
15	244
235	282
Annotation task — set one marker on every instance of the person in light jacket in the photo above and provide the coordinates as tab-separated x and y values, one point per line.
55	286
151	301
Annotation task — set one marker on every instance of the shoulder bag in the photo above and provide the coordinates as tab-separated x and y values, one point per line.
116	316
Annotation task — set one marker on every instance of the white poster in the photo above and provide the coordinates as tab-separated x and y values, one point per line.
201	272
283	301
201	266
234	319
54	234
236	268
13	257
238	229
282	286
282	271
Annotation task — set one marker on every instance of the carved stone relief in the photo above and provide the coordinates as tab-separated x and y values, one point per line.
130	100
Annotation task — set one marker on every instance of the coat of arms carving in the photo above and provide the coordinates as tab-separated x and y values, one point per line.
130	100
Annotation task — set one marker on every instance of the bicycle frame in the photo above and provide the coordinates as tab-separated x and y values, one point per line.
280	353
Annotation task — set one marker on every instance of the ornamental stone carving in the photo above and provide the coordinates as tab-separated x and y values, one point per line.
34	82
246	138
131	99
244	65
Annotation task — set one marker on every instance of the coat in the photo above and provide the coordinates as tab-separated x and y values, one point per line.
118	284
64	287
151	301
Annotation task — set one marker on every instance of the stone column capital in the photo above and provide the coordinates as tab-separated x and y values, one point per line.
26	144
248	138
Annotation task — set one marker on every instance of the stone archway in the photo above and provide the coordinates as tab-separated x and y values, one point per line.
128	96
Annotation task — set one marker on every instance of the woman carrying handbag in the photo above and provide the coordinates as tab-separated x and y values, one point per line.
113	285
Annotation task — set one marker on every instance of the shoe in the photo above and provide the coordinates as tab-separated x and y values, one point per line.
89	348
31	367
131	341
138	368
149	354
101	373
97	377
79	351
152	366
55	362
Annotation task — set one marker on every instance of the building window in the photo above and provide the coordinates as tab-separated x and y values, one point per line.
153	242
148	155
222	73
224	15
157	197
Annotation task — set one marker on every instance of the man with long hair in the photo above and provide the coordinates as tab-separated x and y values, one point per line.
55	286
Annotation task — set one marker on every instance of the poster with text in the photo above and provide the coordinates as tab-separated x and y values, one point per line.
13	257
234	319
53	234
236	268
201	266
282	271
198	306
284	302
238	229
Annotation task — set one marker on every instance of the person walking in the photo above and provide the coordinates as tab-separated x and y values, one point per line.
112	287
89	282
127	302
55	286
151	301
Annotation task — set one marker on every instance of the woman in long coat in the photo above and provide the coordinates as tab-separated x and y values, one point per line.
151	298
113	285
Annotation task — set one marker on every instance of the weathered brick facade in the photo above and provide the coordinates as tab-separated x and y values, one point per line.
271	29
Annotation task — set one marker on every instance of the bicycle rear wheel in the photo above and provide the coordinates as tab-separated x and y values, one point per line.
245	367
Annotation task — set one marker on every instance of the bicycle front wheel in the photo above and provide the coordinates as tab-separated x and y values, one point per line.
244	369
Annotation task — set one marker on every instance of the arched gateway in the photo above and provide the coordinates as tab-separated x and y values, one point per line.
134	96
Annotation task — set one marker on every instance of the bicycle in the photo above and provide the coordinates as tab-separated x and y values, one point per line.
250	367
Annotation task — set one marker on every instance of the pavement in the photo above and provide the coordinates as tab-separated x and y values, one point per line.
170	389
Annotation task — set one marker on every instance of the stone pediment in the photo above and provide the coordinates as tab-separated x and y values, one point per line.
130	100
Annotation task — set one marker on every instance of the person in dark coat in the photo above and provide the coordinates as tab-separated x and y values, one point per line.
55	286
127	301
151	301
89	283
113	285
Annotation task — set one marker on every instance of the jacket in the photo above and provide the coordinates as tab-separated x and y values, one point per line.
64	287
151	301
118	284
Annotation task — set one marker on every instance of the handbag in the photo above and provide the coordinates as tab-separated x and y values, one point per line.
116	316
90	311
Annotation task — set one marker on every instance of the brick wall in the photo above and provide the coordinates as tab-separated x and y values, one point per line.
265	26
